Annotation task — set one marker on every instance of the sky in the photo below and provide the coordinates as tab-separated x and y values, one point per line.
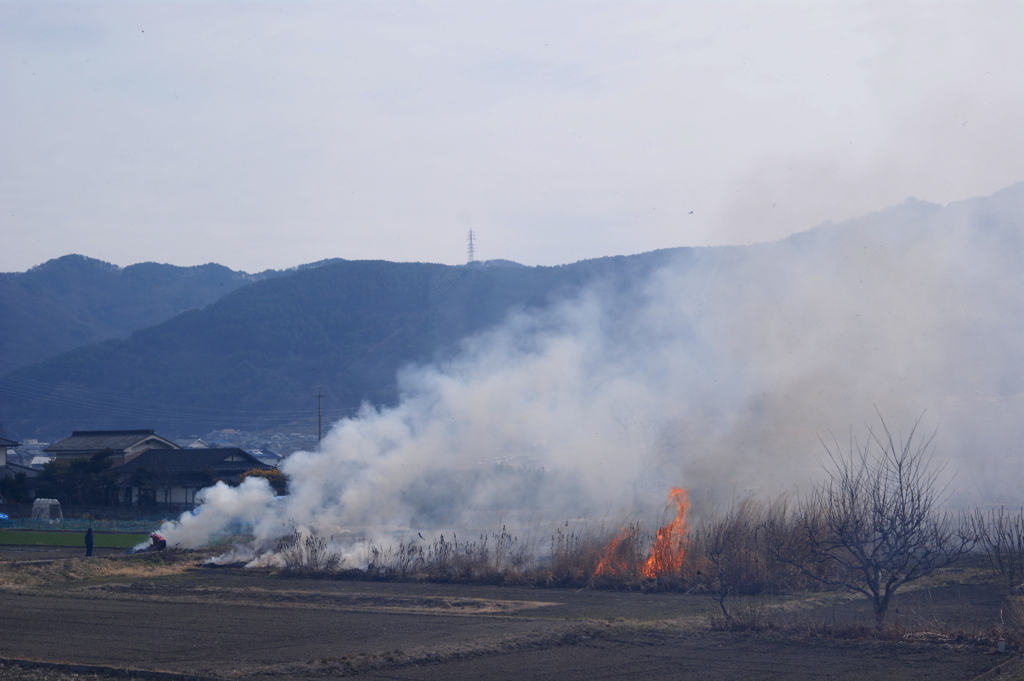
270	134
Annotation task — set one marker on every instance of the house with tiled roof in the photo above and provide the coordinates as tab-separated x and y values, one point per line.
192	443
163	476
123	445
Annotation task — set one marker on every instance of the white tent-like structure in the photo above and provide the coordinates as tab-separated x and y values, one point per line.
46	509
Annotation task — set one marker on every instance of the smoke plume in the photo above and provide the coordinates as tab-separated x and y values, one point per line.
720	372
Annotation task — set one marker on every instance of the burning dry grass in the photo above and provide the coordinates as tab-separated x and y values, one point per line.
730	554
670	541
37	573
720	554
579	555
495	557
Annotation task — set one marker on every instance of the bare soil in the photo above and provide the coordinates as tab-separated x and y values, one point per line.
254	626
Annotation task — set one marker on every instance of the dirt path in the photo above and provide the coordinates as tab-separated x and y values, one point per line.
227	624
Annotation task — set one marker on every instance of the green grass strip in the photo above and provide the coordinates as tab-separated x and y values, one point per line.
75	539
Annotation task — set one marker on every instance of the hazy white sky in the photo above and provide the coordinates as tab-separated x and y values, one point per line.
268	134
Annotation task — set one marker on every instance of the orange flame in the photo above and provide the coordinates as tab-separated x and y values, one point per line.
669	546
667	551
615	561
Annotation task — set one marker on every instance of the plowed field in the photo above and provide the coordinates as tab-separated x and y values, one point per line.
223	623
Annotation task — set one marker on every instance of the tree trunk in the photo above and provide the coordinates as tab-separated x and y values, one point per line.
881	607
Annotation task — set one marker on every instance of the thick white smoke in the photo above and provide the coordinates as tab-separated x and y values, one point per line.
719	372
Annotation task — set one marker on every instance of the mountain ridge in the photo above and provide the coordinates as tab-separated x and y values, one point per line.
253	357
350	325
75	300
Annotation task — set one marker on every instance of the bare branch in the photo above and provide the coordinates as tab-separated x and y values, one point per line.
874	523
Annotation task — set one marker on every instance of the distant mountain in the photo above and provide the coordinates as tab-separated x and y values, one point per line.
895	294
254	358
73	301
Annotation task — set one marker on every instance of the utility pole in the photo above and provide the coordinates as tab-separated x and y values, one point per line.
319	415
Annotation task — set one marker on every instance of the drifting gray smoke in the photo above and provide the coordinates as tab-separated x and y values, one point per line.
719	372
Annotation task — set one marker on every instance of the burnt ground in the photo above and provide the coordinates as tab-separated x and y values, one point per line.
224	623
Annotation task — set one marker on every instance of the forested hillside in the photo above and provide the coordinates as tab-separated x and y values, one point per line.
255	357
74	300
919	298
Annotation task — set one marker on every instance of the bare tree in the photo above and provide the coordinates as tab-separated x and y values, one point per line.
1001	535
725	545
874	523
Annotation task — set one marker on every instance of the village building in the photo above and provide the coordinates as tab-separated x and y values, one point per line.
192	443
268	456
26	451
10	469
149	470
123	445
172	477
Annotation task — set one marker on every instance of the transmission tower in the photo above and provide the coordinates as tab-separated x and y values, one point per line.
471	239
319	415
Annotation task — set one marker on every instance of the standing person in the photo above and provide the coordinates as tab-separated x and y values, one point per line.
88	542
